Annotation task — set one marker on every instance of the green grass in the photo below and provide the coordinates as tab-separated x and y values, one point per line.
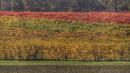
9	63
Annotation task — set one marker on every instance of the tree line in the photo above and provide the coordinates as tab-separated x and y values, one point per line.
65	5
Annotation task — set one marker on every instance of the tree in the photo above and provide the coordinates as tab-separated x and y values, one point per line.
115	5
65	5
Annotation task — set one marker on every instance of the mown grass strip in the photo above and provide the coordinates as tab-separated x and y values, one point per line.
10	63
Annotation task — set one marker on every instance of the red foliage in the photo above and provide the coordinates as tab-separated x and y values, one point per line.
73	16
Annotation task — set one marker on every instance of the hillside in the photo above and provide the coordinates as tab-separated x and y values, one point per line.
64	36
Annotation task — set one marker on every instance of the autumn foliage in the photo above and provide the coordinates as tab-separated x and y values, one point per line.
64	36
72	16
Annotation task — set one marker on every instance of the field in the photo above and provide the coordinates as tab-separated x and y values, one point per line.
64	36
64	42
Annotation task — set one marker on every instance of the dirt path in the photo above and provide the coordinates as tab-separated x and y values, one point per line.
64	69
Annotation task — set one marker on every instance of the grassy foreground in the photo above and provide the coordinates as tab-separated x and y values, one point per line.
22	63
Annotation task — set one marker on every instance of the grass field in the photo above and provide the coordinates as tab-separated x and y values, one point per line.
63	67
69	63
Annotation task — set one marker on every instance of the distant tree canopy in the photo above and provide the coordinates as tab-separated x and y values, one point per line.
65	5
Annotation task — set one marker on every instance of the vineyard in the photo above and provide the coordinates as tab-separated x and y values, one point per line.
72	16
64	36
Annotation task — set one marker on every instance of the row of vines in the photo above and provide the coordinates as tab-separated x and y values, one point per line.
43	36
